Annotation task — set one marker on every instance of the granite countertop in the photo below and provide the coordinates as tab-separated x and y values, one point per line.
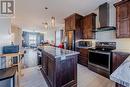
122	74
7	73
122	50
58	52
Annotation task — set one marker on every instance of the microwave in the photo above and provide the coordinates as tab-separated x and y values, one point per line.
84	44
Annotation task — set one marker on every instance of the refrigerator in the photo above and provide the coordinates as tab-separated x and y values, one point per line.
71	40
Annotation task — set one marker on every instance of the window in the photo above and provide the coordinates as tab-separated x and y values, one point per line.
32	39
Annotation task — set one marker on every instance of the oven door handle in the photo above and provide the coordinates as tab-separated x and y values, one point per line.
107	53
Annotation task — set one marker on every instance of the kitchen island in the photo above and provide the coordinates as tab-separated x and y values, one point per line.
59	66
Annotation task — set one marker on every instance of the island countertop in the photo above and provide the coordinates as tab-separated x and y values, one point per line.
59	66
122	50
122	74
57	52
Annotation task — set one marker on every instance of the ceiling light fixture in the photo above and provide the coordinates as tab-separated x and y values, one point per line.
46	24
53	22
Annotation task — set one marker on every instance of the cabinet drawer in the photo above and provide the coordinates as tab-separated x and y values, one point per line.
83	60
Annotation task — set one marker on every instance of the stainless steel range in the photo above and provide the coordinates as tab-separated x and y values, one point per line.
100	57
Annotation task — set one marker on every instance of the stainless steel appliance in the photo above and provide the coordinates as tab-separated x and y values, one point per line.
100	57
71	40
84	44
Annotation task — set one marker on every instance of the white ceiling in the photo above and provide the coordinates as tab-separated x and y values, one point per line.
30	13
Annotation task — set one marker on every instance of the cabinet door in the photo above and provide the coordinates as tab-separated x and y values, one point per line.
78	34
83	57
88	26
123	28
85	24
118	85
122	11
50	70
123	20
118	59
72	23
67	24
43	60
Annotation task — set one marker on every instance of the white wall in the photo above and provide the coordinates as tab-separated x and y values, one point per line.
5	26
49	35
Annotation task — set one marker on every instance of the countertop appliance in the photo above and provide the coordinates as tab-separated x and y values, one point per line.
83	44
100	57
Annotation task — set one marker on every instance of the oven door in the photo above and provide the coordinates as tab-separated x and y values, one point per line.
100	59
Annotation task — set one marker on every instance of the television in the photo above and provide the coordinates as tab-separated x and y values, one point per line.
11	49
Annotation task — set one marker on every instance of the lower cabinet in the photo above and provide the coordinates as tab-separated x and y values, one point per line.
60	73
50	70
118	85
117	59
83	56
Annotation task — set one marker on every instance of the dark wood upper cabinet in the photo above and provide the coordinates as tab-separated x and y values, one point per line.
83	26
89	24
73	23
123	19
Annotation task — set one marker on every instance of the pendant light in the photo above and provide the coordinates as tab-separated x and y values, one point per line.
46	24
53	22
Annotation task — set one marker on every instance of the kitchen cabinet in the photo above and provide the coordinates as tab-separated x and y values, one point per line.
83	56
123	19
89	25
59	70
118	85
73	23
117	59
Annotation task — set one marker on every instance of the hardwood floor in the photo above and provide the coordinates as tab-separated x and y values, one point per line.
33	77
30	58
87	78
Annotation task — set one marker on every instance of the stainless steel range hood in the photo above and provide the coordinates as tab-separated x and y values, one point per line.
104	17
